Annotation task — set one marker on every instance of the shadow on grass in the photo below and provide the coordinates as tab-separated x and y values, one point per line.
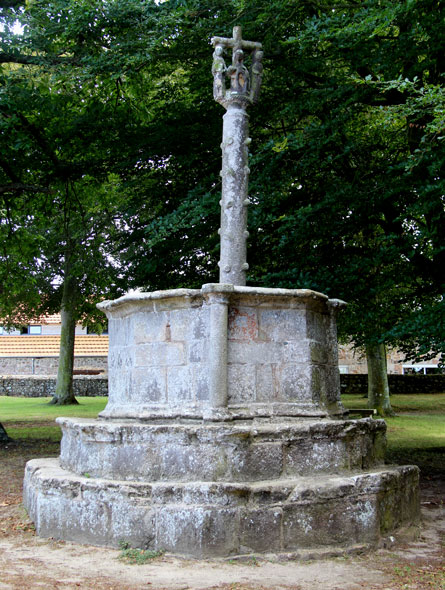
431	461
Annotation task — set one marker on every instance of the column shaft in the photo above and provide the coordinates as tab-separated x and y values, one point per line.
235	173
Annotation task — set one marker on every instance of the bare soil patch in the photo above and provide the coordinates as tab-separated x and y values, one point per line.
26	561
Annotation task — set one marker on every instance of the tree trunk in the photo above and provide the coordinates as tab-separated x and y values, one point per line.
378	389
64	386
4	438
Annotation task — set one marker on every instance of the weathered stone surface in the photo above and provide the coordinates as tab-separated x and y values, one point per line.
241	451
222	519
222	350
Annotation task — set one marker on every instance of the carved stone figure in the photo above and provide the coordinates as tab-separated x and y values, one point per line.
256	75
219	73
244	85
239	74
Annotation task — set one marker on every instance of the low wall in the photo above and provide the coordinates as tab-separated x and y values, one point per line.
397	383
43	386
92	385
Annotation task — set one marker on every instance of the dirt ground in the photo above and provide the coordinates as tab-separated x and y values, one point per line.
28	562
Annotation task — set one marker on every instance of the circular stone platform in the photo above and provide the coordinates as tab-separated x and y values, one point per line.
229	451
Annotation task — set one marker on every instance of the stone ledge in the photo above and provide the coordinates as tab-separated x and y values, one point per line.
323	514
155	411
190	295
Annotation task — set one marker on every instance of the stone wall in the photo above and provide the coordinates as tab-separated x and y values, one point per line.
91	385
222	350
43	386
47	365
397	383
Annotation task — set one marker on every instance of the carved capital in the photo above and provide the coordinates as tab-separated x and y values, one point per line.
236	84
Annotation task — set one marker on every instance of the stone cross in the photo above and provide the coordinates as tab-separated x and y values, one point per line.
243	90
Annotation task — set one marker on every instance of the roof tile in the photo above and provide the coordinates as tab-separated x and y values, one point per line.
28	345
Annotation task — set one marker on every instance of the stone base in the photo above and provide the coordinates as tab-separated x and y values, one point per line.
237	451
327	514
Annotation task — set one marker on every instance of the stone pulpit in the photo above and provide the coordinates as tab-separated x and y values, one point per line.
224	433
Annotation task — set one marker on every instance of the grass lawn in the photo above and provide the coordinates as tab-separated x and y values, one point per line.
33	417
417	434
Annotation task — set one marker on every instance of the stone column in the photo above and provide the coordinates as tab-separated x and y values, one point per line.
235	171
243	90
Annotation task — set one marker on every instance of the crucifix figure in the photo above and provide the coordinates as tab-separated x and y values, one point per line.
243	90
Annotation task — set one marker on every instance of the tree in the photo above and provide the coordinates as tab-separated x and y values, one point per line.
346	176
346	173
62	118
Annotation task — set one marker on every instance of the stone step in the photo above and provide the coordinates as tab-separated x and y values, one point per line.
330	514
235	451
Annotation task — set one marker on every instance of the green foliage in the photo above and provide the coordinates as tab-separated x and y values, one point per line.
108	123
137	556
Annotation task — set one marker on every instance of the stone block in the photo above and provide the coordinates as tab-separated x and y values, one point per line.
260	531
398	501
269	494
201	377
121	358
278	325
180	384
319	353
149	384
295	383
198	351
335	521
119	384
164	354
256	353
199	531
257	462
120	332
189	324
296	351
200	462
133	462
326	385
241	384
243	324
266	383
150	327
318	326
201	493
304	457
138	528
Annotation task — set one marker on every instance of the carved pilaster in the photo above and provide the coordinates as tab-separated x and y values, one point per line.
217	297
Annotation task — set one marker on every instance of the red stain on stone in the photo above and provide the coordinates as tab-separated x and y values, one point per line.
243	324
